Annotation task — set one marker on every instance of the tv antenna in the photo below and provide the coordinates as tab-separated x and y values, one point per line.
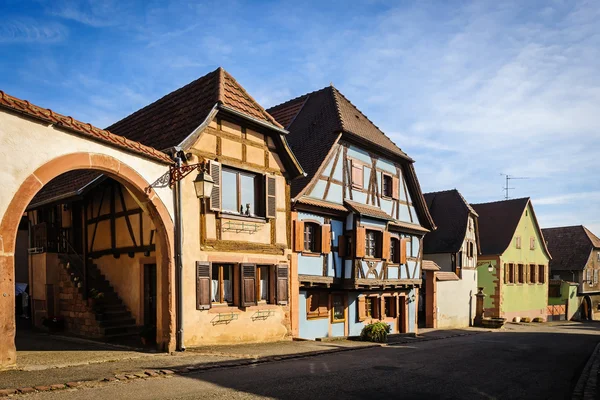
508	179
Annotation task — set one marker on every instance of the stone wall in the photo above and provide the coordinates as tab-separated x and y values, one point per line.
79	319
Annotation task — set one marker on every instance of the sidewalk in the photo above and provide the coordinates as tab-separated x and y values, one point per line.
587	385
51	372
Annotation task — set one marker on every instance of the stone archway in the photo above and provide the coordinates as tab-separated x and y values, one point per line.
127	176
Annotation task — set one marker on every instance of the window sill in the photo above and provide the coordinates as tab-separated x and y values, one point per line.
338	321
310	254
311	318
241	217
220	308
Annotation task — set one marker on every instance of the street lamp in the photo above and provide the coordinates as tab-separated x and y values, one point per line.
203	184
490	268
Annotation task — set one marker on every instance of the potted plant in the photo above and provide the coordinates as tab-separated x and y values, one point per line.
54	324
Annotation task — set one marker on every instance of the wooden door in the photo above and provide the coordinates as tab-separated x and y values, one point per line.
150	295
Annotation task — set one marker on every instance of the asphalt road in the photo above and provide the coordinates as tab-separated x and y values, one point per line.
523	362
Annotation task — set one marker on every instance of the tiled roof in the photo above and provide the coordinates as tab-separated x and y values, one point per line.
316	122
498	222
428	265
407	225
367	211
83	129
321	203
446	276
69	184
450	212
570	246
170	120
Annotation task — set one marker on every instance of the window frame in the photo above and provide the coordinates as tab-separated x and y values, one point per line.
259	192
541	276
333	306
259	273
378	243
520	278
370	307
532	277
390	185
221	283
394	303
316	237
395	256
511	273
532	243
518	243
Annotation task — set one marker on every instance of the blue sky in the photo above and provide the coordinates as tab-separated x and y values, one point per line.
470	90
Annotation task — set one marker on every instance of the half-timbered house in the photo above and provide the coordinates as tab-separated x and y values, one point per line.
358	221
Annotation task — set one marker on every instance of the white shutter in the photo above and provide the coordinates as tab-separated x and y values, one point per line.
215	197
270	196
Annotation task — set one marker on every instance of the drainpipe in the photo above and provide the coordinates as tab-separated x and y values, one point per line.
178	262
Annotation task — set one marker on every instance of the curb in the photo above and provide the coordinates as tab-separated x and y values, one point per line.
167	373
586	387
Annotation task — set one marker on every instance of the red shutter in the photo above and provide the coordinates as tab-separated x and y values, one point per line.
385	251
361	237
203	285
325	238
298	236
248	284
282	283
403	251
271	196
215	196
395	188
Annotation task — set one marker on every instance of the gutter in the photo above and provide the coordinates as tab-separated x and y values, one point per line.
178	263
255	120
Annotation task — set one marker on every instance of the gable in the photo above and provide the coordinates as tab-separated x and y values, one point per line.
526	229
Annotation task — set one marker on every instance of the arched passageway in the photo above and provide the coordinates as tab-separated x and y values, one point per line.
137	186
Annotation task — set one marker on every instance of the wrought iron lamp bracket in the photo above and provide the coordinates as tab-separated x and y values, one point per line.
178	173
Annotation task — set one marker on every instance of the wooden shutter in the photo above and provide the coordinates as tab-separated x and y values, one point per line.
357	175
203	285
271	196
361	311
282	283
385	251
395	188
342	246
361	237
215	196
403	251
248	284
325	238
506	273
298	236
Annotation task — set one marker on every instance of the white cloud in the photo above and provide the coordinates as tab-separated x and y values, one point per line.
27	30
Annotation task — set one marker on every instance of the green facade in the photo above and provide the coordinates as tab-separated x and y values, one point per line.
518	299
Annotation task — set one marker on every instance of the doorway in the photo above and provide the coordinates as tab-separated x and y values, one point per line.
150	302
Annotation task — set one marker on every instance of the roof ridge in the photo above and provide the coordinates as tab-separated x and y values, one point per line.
564	227
441	191
249	97
337	105
593	238
297	98
501	201
67	122
361	113
221	82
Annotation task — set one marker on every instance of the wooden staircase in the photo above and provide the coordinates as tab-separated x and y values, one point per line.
113	321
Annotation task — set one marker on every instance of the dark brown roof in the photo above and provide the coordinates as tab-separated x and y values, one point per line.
570	246
83	129
317	121
450	212
498	222
170	120
64	186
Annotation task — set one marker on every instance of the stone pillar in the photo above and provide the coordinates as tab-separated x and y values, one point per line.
479	307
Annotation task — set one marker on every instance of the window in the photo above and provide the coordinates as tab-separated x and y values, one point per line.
357	175
532	273
241	192
373	244
317	305
518	242
470	249
595	276
520	273
370	307
532	243
390	307
387	186
409	248
395	250
337	301
311	237
553	290
222	284
509	273
263	283
589	276
541	274
598	256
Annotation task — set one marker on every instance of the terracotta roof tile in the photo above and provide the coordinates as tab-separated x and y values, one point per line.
570	246
428	265
446	276
171	119
321	203
367	211
69	123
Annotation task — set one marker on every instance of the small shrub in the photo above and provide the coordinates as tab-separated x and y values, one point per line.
375	332
526	319
538	319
